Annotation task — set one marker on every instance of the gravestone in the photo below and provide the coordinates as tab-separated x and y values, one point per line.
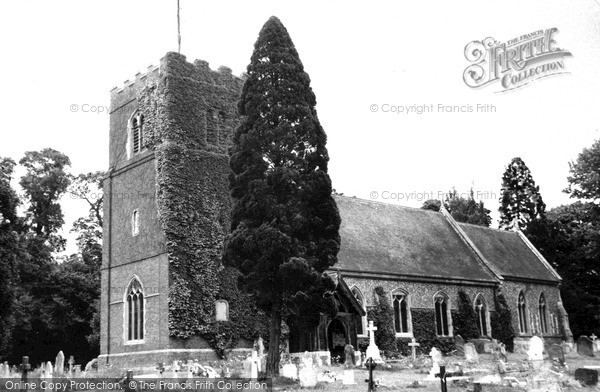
6	370
586	376
413	348
71	363
436	358
175	368
307	374
357	358
471	355
372	349
49	374
556	351
459	342
348	377
59	364
289	370
585	346
92	365
536	349
349	355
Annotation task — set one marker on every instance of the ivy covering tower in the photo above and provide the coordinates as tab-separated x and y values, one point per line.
285	222
520	202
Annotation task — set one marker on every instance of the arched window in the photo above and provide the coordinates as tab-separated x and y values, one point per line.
542	310
135	223
136	124
522	308
401	311
221	310
482	314
442	314
134	302
361	326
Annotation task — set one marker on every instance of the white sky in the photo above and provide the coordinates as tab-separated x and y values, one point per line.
59	53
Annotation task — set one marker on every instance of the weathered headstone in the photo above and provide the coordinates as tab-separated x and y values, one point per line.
49	374
585	346
436	358
289	370
307	374
536	349
358	358
471	355
586	376
349	355
59	364
71	363
556	351
93	365
348	377
6	370
413	348
459	343
372	349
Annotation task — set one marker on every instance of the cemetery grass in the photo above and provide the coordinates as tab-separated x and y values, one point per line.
402	379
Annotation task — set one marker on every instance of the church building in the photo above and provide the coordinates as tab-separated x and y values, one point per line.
165	294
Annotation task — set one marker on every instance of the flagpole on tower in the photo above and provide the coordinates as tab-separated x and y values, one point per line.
178	30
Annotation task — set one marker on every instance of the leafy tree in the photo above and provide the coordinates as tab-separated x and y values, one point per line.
584	179
467	210
465	324
520	199
44	183
431	204
88	187
10	252
284	221
462	209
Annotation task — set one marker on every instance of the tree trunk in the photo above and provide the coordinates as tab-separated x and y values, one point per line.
274	335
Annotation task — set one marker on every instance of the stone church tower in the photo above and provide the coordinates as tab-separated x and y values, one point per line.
166	212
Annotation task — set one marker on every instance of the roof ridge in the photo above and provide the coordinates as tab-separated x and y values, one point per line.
471	245
385	203
485	227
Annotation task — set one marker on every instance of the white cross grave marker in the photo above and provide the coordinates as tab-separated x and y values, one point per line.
413	346
373	350
371	328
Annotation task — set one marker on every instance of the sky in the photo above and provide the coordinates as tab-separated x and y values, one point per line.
61	59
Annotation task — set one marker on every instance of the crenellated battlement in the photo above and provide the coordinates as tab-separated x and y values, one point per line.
175	64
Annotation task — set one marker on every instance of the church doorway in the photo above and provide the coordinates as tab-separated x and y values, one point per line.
337	336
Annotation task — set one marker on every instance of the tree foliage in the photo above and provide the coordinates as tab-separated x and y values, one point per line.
284	221
44	183
584	178
520	200
466	209
463	209
49	302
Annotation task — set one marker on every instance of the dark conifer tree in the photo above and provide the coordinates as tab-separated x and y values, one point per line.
284	223
520	201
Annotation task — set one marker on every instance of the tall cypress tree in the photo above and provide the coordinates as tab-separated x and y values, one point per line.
520	201
285	222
